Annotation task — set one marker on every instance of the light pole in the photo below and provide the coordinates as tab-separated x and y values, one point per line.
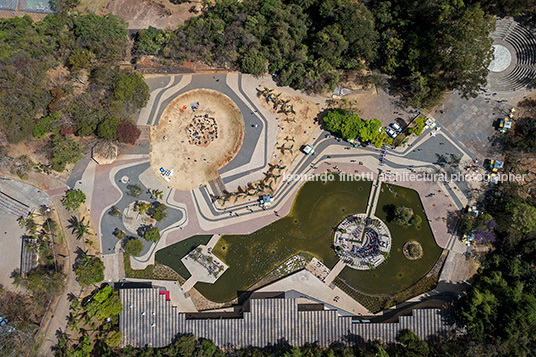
47	211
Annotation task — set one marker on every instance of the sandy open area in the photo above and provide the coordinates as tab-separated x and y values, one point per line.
294	129
195	165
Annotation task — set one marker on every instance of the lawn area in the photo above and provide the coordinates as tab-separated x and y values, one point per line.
318	208
397	273
172	255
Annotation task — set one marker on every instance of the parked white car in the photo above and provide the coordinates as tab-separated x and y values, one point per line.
396	127
390	132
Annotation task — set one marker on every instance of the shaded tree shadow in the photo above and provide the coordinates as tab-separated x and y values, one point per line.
73	223
453	222
390	211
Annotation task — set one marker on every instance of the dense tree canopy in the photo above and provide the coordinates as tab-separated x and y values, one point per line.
350	126
433	46
37	97
303	45
89	270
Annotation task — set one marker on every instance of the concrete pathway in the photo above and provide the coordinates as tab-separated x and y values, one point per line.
304	285
61	309
337	269
201	216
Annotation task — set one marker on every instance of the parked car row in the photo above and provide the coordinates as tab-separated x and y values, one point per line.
393	129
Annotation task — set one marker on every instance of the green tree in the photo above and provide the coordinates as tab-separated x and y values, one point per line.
44	283
130	89
114	338
89	270
106	37
114	212
151	234
159	211
416	220
108	128
72	199
151	41
134	247
104	304
403	216
47	124
254	63
65	151
134	190
413	343
523	216
80	58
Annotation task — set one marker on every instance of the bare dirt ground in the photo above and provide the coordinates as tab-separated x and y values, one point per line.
195	165
202	304
141	14
376	103
294	129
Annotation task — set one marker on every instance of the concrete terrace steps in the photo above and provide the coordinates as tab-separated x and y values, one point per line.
149	320
502	28
12	206
523	41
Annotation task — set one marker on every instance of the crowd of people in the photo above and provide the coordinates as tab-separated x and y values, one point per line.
370	248
202	131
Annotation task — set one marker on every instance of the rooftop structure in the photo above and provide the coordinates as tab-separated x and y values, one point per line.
149	320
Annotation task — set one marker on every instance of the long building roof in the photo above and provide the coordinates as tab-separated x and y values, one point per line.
149	320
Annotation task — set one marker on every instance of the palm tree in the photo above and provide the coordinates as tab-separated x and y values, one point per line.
291	110
223	200
85	259
79	228
142	207
156	194
284	105
290	148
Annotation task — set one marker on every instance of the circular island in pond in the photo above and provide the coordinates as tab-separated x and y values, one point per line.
412	250
362	242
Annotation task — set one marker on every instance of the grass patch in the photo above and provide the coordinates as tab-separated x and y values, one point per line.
376	303
397	273
172	255
154	271
317	210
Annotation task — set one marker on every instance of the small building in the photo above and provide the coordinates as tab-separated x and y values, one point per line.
308	149
496	165
473	211
505	124
265	201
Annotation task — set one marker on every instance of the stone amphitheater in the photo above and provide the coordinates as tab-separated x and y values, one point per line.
514	65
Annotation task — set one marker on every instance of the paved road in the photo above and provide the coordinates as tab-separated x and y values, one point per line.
108	223
62	308
254	122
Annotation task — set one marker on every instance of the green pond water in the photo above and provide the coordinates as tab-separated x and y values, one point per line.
171	255
318	208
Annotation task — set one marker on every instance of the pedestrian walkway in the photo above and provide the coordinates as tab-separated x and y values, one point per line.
373	197
337	269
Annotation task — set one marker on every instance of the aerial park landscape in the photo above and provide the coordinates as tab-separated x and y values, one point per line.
267	177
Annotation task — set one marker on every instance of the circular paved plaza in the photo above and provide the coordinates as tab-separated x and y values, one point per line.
199	132
501	59
362	243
